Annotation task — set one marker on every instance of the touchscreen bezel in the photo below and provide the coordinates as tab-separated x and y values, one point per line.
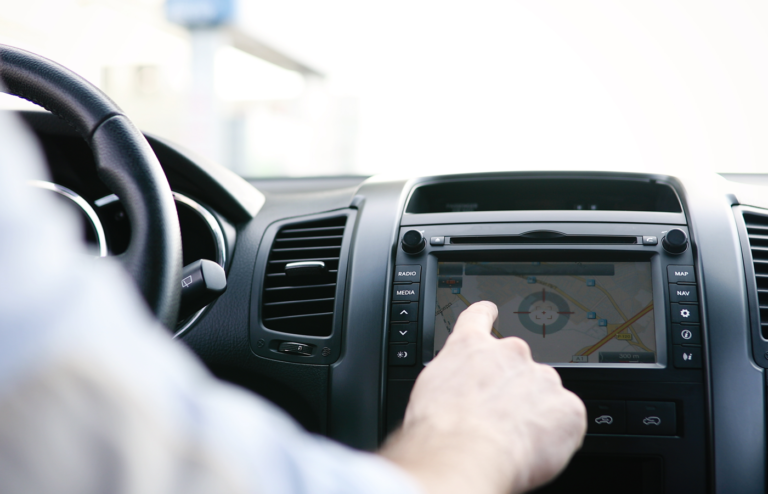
429	292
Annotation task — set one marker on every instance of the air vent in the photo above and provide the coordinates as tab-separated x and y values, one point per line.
757	232
301	301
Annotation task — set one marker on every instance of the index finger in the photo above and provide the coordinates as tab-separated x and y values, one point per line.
477	318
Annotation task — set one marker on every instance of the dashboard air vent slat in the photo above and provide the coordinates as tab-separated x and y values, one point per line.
303	303
757	233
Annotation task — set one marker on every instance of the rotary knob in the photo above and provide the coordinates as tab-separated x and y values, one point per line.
413	242
675	241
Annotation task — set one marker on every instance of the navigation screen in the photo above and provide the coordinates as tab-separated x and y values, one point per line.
568	312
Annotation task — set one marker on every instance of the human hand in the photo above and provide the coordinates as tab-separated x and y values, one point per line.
484	417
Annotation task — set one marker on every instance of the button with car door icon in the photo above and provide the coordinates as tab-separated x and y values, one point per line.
653	418
606	416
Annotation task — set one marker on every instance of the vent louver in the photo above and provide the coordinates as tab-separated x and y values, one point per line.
757	232
303	303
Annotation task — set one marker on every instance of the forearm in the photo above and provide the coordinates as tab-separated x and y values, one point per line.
451	461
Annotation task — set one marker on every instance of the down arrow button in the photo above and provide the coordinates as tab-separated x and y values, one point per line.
403	332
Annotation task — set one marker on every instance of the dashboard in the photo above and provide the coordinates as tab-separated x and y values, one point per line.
648	294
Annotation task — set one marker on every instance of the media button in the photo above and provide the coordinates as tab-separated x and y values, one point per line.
408	293
685	313
686	335
653	418
405	312
402	332
606	417
682	293
681	274
411	273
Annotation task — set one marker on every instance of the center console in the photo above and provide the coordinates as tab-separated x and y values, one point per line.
607	293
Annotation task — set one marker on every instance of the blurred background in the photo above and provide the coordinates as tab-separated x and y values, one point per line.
339	87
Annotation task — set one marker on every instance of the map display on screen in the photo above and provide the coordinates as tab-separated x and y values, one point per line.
568	312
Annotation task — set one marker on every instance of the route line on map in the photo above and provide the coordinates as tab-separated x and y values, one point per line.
616	331
621	313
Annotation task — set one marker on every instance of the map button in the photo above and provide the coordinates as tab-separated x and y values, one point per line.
402	332
681	274
651	418
686	335
685	313
606	416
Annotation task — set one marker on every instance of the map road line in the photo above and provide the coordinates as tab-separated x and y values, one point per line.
616	331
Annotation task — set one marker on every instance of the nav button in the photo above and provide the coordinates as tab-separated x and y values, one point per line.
405	312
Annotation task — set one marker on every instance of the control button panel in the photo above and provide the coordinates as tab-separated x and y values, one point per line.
606	417
684	311
651	418
404	315
646	418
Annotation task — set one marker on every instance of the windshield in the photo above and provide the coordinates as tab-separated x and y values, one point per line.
341	87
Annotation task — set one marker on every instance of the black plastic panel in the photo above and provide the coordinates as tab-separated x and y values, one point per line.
543	194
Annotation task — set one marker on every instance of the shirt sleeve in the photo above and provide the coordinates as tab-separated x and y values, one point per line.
94	395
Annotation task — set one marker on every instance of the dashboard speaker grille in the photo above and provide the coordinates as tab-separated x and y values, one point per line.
303	303
757	232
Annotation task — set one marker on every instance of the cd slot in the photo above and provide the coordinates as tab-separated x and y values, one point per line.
544	239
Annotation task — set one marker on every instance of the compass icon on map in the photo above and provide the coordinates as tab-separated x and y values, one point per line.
544	313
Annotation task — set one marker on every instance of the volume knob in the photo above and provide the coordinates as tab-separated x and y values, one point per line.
413	242
675	241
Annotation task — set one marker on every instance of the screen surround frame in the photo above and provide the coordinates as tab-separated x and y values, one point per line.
550	254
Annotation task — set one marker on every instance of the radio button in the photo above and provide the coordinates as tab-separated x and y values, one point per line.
405	312
681	274
685	313
408	273
409	293
682	293
686	335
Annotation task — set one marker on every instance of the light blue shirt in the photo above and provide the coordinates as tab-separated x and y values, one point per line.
95	397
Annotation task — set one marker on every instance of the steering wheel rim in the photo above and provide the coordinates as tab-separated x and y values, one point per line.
124	162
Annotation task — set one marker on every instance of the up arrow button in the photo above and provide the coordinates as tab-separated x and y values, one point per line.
405	312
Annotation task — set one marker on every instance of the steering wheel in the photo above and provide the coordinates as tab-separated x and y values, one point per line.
124	162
